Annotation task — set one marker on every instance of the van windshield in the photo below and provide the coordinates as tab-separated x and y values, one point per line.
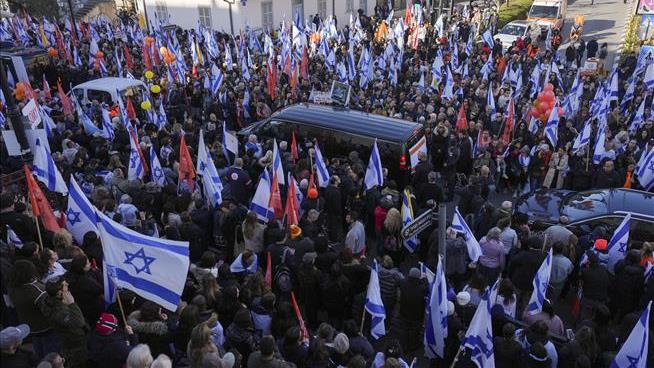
544	11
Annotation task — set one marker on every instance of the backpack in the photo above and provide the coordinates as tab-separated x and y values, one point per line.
283	281
390	243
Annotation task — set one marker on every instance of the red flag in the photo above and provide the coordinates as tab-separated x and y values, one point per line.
508	123
300	320
146	57
40	205
186	170
46	88
276	198
268	276
128	57
65	100
286	68
292	206
294	155
304	64
312	183
155	55
131	113
461	120
407	14
272	79
294	81
627	182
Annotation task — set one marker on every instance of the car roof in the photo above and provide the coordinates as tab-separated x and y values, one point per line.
630	200
110	84
349	121
519	22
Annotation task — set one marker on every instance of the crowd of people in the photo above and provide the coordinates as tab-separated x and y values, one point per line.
243	315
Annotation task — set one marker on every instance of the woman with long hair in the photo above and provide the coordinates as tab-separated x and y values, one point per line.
391	235
200	345
506	297
210	290
49	266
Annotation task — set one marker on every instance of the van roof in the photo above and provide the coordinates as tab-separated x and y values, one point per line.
349	121
547	2
110	84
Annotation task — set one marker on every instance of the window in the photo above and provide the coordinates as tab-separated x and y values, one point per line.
204	13
298	8
267	15
322	8
363	5
161	11
349	6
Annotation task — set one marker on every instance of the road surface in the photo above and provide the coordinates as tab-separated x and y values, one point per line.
604	21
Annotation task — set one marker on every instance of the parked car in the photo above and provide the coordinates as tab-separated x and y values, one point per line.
589	209
518	28
340	131
548	13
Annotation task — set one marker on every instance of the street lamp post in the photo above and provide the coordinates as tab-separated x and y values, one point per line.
231	18
72	17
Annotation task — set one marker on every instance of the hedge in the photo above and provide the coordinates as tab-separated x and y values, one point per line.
513	10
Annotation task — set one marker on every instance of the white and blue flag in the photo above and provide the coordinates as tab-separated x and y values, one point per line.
230	145
278	169
460	226
46	171
107	127
80	214
322	175
582	138
487	37
645	170
436	316
638	119
479	336
541	283
260	203
633	353
374	304
211	184
619	243
135	170
407	217
153	268
374	172
12	237
552	126
239	266
156	172
600	151
648	79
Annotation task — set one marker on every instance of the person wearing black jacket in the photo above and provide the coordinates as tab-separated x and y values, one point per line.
109	346
86	286
608	177
412	309
627	285
524	266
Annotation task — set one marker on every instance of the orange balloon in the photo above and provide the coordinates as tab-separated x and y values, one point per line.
99	55
19	91
52	52
548	87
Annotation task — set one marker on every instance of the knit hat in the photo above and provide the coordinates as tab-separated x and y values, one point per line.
450	308
414	273
600	244
107	324
341	343
463	298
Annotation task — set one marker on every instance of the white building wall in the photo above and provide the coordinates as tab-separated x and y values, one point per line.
185	13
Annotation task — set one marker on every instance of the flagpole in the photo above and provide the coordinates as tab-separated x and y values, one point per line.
120	304
456	358
38	231
363	319
587	155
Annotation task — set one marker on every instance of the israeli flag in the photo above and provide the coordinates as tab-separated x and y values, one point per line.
162	119
12	238
374	304
540	283
260	203
211	184
107	127
216	80
321	168
600	151
153	268
582	138
374	173
645	170
460	226
80	215
490	100
201	164
613	85
230	145
633	353
448	90
629	93
618	245
639	118
479	336
487	37
135	170
552	126
157	175
278	169
648	79
425	272
407	218
46	171
649	271
238	266
48	123
436	316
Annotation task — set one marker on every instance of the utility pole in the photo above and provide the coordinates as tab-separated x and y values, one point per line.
442	239
72	18
231	17
13	115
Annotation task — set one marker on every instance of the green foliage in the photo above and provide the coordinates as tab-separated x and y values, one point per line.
631	39
513	10
38	8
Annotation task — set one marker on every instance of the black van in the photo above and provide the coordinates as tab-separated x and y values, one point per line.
340	131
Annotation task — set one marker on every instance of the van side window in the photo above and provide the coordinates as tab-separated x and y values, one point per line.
79	94
101	96
273	129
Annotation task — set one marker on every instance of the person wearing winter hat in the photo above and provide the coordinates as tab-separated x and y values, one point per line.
13	355
240	334
265	356
339	349
108	344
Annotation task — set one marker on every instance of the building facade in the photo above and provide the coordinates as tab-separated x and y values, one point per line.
234	15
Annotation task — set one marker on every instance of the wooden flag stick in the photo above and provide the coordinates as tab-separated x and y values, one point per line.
456	358
38	232
363	319
120	304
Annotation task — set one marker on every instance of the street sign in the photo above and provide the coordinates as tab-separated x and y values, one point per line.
418	225
646	55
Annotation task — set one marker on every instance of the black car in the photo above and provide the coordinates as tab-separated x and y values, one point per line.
589	209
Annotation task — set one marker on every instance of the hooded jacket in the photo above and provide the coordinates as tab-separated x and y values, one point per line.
155	333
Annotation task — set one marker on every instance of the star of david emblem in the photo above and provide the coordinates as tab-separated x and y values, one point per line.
157	172
623	247
202	166
72	217
633	361
140	254
133	158
651	165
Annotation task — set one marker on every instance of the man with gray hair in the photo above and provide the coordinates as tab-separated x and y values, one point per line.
11	339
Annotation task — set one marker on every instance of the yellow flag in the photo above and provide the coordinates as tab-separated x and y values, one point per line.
142	21
44	39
